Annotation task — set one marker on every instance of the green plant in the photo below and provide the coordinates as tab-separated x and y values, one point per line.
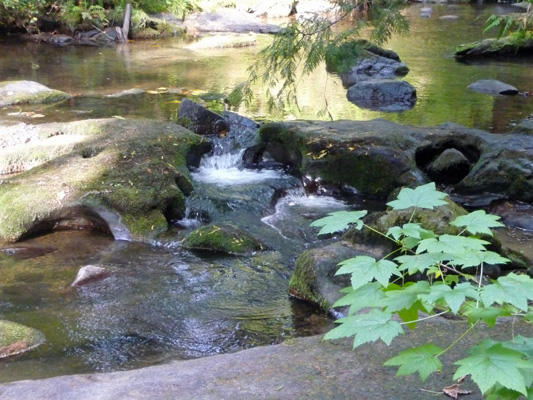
76	13
517	25
501	369
22	13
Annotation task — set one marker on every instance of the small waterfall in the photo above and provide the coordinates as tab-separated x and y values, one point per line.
224	166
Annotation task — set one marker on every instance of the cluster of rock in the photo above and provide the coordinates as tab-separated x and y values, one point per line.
371	75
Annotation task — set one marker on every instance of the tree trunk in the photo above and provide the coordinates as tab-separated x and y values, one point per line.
123	33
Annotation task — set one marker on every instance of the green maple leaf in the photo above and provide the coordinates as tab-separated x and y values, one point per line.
522	344
339	221
513	289
404	298
364	269
454	298
369	327
489	315
425	196
490	364
419	262
420	359
478	222
451	244
476	258
368	295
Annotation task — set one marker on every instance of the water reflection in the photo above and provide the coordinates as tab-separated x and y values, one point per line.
440	80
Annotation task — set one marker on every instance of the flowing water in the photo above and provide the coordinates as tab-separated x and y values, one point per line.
161	302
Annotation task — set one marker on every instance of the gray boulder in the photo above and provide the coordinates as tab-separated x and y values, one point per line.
493	86
376	157
449	167
383	95
372	66
22	92
200	120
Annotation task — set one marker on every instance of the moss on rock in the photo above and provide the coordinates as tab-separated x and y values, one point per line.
16	338
23	92
222	238
134	168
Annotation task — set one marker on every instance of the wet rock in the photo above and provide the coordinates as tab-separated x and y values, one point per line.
525	127
449	17
314	278
515	214
89	273
375	157
17	339
22	92
383	95
222	238
26	252
243	130
123	177
450	167
361	60
492	86
201	120
129	92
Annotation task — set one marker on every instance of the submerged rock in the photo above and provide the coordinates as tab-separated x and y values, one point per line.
493	86
224	41
17	339
128	178
89	273
222	238
22	92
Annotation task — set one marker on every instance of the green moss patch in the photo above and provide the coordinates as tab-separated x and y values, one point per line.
222	238
23	92
16	338
134	168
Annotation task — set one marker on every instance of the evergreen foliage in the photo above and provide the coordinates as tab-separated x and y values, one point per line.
501	369
306	43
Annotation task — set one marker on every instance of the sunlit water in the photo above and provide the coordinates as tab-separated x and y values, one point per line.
441	82
161	302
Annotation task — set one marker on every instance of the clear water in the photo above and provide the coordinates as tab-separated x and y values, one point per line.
161	302
441	82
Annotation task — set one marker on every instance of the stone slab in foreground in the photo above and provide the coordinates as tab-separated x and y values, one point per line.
305	368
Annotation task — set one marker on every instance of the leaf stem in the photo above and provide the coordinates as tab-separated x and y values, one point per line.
425	318
472	326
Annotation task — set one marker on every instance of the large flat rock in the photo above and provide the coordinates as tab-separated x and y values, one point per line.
305	368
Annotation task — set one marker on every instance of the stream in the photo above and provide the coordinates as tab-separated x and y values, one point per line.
161	302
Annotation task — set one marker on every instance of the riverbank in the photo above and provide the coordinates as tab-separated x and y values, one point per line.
304	368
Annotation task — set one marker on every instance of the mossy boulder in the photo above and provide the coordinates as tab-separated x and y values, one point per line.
341	152
376	157
23	92
314	278
222	238
507	46
17	339
125	177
